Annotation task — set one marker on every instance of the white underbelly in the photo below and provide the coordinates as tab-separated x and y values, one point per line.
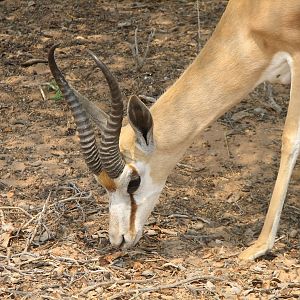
279	70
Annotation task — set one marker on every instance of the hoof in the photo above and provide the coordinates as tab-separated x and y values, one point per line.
254	251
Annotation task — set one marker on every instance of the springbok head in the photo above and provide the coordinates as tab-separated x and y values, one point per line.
121	164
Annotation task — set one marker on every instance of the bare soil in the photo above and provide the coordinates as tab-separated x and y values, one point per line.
54	216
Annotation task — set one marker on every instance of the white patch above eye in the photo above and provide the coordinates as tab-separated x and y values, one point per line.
148	188
123	180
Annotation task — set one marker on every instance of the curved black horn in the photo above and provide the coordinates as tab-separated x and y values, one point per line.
86	134
111	158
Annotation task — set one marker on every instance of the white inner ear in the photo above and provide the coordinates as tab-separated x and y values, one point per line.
146	147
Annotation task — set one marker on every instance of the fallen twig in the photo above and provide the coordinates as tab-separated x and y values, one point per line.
226	143
42	93
294	208
140	60
33	61
198	31
111	282
271	101
19	208
147	98
166	286
39	223
12	268
189	167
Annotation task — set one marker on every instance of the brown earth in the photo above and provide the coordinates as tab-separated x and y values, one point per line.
54	217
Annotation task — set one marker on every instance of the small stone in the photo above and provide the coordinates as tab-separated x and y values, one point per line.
151	221
44	237
236	290
260	111
210	286
80	40
240	115
198	226
36	163
148	273
293	233
124	24
151	232
192	232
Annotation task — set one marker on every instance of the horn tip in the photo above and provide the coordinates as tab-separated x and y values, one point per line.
53	47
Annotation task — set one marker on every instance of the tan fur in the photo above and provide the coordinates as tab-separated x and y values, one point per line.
106	181
247	37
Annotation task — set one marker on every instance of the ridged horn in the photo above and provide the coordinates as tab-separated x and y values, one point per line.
86	134
111	158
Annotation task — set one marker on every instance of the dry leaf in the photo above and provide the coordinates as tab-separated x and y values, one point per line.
114	256
5	237
10	194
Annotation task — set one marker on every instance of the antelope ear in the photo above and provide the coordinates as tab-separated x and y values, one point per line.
141	121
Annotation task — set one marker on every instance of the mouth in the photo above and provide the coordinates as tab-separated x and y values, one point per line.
123	243
127	242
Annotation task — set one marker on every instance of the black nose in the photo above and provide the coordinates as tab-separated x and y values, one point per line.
123	241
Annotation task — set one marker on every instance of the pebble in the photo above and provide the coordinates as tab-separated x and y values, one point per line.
148	273
198	226
293	233
192	232
35	163
151	232
260	111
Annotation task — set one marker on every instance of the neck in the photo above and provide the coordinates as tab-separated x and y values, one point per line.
200	96
218	79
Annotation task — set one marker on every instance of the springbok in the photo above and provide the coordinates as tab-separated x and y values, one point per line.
255	41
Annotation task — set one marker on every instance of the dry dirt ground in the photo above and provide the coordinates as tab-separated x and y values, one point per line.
54	217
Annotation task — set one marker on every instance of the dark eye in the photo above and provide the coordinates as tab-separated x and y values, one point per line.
134	184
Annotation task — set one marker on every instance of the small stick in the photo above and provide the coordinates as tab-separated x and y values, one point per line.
33	61
39	223
272	103
295	209
111	282
12	268
179	216
140	61
136	43
42	93
147	98
19	208
189	167
199	33
166	286
227	147
2	217
150	37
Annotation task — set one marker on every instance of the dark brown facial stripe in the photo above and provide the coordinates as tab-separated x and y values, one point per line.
132	215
